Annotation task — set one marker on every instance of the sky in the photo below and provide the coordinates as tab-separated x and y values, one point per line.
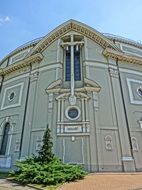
25	20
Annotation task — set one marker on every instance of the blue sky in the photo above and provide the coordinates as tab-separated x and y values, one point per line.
23	21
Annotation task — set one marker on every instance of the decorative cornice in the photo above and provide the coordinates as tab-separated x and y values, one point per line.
83	95
66	90
25	46
77	27
21	64
90	86
65	95
54	85
50	38
94	35
91	83
123	40
122	57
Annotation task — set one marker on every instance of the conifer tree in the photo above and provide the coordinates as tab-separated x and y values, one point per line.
45	153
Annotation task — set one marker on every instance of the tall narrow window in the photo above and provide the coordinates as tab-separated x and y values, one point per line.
68	63
72	45
4	139
77	73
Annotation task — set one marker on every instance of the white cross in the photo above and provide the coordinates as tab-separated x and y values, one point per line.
72	98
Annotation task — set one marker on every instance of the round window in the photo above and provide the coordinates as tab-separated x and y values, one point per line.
139	91
11	96
72	113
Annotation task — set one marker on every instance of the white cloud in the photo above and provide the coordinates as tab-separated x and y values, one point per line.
4	19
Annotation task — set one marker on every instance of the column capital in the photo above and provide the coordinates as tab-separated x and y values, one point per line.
113	71
34	76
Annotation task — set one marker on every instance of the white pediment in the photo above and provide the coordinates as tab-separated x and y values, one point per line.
78	27
89	86
54	85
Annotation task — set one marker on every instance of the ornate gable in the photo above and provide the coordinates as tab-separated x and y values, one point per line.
76	26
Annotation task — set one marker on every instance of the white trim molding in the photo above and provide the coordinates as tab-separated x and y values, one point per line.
131	95
129	71
82	149
122	56
21	64
131	50
19	100
18	56
75	26
23	76
72	107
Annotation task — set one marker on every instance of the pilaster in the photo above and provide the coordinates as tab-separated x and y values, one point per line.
83	113
29	114
59	115
62	114
1	79
126	157
97	134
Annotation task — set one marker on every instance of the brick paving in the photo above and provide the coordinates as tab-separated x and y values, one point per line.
107	181
97	181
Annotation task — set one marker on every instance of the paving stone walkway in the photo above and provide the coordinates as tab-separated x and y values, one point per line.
7	185
107	181
101	181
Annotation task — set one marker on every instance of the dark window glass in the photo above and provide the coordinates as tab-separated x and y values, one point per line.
77	72
11	96
4	139
73	113
77	69
139	90
68	64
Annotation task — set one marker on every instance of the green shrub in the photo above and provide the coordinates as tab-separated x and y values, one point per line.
45	153
52	173
46	168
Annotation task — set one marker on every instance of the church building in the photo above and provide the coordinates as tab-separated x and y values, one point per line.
86	87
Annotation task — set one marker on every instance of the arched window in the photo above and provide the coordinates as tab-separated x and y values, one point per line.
4	139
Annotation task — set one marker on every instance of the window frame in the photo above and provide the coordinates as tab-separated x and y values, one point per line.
80	49
5	137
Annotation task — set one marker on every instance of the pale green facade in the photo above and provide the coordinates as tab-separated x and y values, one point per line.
106	134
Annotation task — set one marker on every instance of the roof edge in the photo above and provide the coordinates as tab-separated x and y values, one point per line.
77	27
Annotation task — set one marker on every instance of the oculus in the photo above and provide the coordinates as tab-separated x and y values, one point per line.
11	96
72	112
139	91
